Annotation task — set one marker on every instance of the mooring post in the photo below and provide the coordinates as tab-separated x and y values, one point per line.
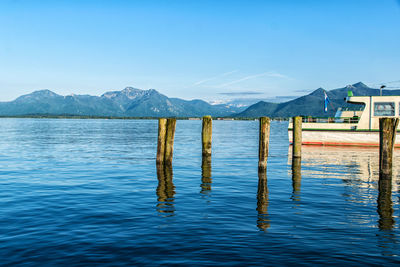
169	141
263	143
206	136
387	138
297	121
162	130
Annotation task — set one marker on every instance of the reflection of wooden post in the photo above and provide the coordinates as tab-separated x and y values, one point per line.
206	136
296	178
165	190
169	141
385	209
387	137
162	129
297	137
206	175
262	202
263	143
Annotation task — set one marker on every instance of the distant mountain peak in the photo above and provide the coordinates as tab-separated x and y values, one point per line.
131	89
129	93
39	94
44	92
360	84
318	91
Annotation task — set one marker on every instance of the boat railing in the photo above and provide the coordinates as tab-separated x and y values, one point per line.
310	119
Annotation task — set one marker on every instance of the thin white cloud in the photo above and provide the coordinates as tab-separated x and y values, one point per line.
278	75
213	78
268	74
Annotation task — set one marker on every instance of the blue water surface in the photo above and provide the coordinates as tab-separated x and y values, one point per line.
87	192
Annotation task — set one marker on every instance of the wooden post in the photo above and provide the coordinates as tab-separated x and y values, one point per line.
263	143
162	129
169	141
297	137
206	136
387	138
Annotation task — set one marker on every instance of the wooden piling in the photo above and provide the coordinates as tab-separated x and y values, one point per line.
169	141
263	143
387	138
297	136
206	136
162	130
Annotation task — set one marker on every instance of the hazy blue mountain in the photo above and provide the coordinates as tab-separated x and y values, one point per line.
134	102
311	104
128	102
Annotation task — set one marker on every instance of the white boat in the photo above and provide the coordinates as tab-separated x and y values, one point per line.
351	127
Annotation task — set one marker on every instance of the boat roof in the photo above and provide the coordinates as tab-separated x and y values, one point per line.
375	98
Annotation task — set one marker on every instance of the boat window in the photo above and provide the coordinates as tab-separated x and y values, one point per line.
384	109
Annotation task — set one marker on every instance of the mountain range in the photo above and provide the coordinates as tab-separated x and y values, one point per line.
132	102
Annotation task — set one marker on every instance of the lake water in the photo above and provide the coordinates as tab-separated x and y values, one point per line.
82	192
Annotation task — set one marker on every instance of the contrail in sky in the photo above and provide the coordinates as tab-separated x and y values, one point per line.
213	78
269	74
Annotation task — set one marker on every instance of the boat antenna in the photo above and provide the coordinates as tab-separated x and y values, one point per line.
383	86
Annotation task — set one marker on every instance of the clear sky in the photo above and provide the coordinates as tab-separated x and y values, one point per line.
197	49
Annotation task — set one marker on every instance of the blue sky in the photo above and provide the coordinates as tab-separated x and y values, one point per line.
197	49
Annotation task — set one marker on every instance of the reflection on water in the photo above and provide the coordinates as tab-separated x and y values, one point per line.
206	175
358	168
355	166
263	222
385	209
165	190
296	178
83	192
386	222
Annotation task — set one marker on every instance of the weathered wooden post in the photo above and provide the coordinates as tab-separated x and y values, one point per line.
263	143
162	129
169	141
206	136
297	121
387	138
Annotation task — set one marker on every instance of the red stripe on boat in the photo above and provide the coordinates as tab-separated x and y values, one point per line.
342	144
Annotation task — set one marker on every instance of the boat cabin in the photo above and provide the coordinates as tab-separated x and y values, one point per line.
375	107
